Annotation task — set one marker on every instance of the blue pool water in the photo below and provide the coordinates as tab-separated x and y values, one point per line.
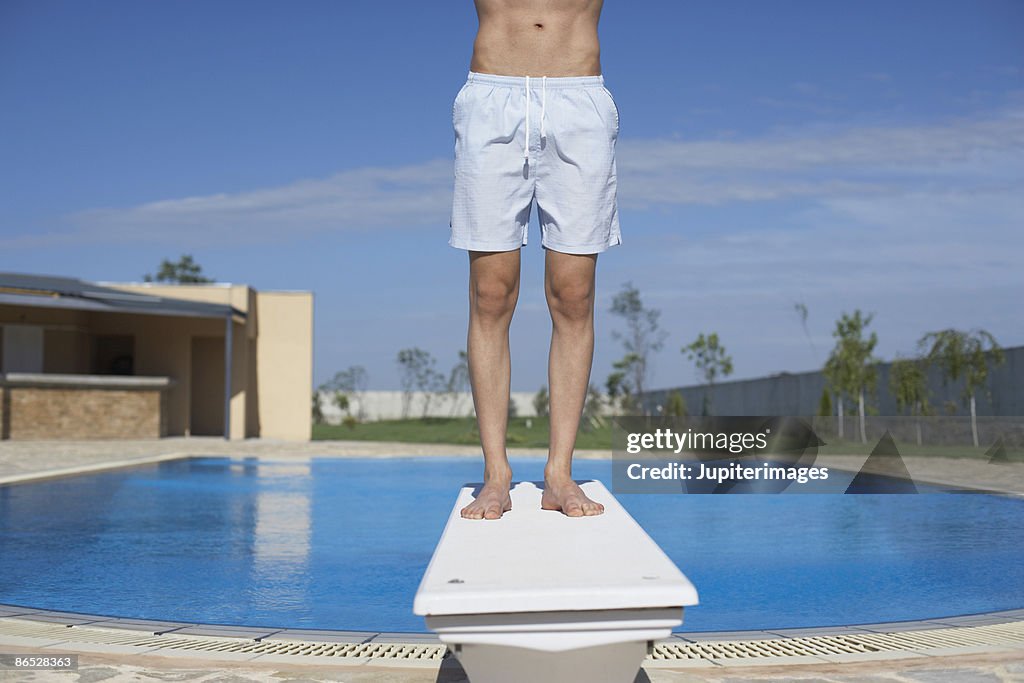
343	543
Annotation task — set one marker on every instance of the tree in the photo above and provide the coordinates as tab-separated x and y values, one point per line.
458	381
711	360
675	406
542	402
641	339
619	384
965	354
801	310
318	408
185	271
416	368
907	381
851	369
825	404
351	384
341	401
592	418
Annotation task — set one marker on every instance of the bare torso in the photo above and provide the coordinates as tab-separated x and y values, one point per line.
537	38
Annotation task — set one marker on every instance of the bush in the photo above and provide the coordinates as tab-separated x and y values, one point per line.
825	404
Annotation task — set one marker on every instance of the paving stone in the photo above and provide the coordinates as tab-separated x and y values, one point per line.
141	625
315	636
960	675
698	636
413	638
225	631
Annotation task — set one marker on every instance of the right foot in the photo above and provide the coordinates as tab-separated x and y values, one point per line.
492	502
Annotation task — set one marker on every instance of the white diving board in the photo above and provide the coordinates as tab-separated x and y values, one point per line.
538	596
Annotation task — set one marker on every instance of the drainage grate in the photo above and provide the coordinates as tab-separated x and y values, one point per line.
87	634
866	643
997	634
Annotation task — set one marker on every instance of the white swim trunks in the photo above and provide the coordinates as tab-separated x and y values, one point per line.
549	139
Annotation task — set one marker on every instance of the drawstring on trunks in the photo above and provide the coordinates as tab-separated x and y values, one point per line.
543	111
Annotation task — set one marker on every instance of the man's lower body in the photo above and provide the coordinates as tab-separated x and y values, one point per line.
518	141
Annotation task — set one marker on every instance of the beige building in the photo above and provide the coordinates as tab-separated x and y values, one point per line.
136	360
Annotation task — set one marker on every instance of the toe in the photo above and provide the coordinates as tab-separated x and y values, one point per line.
574	509
493	512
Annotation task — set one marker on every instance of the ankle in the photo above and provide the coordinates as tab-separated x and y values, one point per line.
557	475
498	474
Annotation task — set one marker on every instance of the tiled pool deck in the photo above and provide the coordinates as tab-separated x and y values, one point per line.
985	647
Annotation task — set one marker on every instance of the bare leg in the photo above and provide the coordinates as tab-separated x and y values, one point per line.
569	287
493	293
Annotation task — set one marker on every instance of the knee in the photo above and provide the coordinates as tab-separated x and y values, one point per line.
571	301
493	298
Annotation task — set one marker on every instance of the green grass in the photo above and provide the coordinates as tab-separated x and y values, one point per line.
457	430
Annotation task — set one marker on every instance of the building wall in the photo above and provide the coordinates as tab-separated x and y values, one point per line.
271	379
66	413
284	363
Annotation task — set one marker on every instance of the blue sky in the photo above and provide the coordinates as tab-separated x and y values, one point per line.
845	155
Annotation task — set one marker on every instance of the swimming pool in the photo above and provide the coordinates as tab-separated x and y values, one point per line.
338	543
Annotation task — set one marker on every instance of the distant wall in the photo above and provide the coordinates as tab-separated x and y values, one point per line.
800	393
387	405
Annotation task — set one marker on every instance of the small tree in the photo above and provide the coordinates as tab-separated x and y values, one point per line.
341	402
825	404
711	361
185	271
907	381
418	373
675	406
351	383
458	381
801	311
851	369
592	418
619	384
318	408
542	402
967	354
641	339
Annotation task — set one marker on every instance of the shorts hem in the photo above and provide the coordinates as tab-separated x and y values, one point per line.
485	246
595	248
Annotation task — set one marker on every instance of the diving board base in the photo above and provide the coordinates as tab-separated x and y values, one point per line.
596	646
617	663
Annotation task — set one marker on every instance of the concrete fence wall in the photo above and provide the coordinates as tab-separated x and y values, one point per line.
800	393
387	405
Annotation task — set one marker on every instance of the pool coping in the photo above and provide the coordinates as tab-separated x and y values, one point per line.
258	633
988	634
57	473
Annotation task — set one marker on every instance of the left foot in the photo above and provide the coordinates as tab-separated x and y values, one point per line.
567	496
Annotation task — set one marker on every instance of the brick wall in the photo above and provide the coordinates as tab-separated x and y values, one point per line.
82	413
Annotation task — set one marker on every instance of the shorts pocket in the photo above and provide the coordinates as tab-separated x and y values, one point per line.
615	107
458	97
